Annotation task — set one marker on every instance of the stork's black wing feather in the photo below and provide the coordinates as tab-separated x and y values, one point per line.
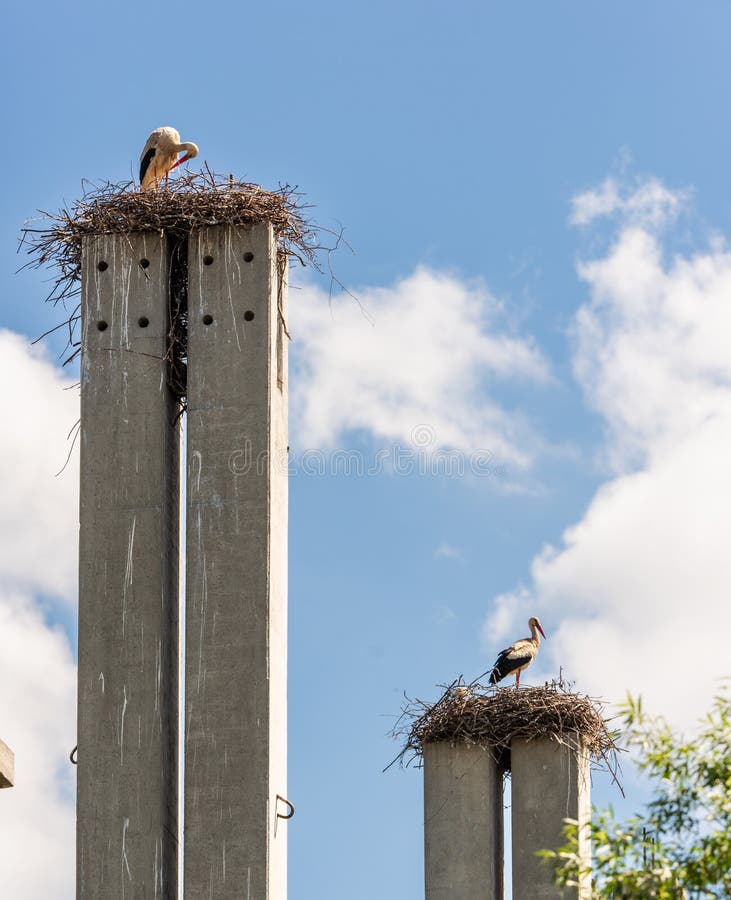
145	163
508	661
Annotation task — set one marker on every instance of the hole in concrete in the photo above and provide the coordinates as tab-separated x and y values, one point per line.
207	319
207	260
248	315
143	321
248	256
102	266
102	325
145	263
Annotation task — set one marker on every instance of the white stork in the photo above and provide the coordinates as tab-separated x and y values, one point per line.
518	656
160	156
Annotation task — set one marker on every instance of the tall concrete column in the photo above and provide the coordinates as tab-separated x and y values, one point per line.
128	577
550	783
236	645
463	823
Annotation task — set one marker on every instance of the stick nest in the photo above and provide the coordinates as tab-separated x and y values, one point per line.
191	201
194	200
492	716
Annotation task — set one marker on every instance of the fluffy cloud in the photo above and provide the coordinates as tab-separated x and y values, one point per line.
652	345
38	703
429	353
638	591
38	553
648	202
39	513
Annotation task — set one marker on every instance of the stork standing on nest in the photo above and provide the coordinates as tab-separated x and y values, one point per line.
518	656
160	156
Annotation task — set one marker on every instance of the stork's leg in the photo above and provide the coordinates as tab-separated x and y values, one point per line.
517	678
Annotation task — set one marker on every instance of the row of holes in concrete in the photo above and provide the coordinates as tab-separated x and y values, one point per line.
103	265
143	321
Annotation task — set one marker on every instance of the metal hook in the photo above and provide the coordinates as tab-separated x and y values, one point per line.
290	805
74	752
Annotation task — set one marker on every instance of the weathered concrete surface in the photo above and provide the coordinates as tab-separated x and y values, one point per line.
128	585
550	783
236	646
7	766
463	823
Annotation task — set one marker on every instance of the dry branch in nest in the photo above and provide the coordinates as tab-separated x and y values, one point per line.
492	716
192	201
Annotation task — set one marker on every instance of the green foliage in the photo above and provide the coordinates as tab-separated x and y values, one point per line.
680	846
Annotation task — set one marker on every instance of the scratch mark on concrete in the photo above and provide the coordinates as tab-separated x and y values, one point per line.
125	380
197	462
229	256
157	870
129	571
158	676
126	277
125	861
233	316
101	678
202	628
121	730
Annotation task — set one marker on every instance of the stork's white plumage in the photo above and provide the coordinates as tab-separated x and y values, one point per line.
160	156
518	656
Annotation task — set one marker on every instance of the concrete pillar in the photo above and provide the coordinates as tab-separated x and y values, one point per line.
463	823
550	783
7	766
236	645
128	577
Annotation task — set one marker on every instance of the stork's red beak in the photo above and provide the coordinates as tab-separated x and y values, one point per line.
538	626
180	161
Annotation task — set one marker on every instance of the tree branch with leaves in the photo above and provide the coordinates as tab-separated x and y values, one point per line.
680	845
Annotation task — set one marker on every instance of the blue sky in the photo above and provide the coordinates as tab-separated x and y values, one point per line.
538	199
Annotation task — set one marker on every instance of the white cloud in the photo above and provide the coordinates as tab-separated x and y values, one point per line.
601	201
433	351
38	703
638	591
38	553
39	512
652	345
647	203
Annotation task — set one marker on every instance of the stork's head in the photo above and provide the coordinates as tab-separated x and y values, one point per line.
534	622
191	150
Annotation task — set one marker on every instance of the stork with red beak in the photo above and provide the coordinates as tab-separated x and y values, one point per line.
518	656
160	156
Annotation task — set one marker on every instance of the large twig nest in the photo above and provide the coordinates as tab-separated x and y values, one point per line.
189	202
194	200
492	717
